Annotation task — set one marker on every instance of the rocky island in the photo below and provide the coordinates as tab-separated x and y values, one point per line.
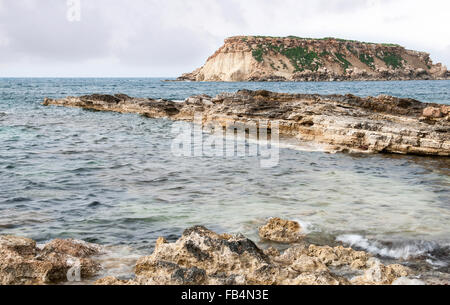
258	58
203	257
339	123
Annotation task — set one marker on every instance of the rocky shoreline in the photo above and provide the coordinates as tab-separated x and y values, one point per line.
203	257
339	123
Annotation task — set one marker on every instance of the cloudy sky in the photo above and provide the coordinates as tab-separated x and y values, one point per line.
168	37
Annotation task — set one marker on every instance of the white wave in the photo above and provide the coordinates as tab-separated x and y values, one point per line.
399	251
307	227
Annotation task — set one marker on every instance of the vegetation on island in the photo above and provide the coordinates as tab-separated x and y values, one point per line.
392	60
368	60
303	58
341	59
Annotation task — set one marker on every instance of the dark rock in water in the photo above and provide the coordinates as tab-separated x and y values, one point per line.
338	123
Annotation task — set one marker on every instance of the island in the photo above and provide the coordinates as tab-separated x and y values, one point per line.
260	58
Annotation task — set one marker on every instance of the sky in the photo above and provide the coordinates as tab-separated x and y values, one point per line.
165	38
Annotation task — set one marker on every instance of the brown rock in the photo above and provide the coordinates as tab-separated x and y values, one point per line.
72	247
433	112
339	256
202	257
379	274
281	231
23	263
347	123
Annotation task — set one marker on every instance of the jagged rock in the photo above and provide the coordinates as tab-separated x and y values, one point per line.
71	247
249	58
339	256
379	274
202	257
22	262
281	231
335	122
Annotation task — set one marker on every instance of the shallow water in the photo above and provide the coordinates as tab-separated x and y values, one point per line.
112	179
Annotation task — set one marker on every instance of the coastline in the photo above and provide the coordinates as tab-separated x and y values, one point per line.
382	124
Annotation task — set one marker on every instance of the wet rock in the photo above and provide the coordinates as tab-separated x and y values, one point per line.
344	123
202	257
281	231
23	263
71	247
379	274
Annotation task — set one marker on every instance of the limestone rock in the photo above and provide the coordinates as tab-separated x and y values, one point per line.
432	112
23	263
335	123
339	256
202	257
281	231
379	274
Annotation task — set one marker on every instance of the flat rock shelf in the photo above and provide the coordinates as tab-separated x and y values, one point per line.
340	123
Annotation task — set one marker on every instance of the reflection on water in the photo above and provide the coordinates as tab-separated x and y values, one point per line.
111	179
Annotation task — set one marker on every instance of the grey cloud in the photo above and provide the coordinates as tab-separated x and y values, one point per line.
42	31
174	36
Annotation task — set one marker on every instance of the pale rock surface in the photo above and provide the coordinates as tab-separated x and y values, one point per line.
281	231
23	263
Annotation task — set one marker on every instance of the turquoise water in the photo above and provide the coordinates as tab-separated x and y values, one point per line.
112	179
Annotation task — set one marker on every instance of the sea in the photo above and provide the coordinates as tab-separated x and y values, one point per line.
113	179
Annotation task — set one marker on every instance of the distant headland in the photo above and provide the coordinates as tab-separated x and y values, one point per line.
262	58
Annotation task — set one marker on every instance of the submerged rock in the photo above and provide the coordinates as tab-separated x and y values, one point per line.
23	263
337	123
281	231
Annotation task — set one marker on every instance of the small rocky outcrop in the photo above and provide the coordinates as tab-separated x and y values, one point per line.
22	262
202	257
256	58
281	231
336	123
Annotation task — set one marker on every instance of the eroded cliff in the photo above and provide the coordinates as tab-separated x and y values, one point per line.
254	58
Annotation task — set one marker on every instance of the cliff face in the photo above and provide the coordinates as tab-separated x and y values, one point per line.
252	58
